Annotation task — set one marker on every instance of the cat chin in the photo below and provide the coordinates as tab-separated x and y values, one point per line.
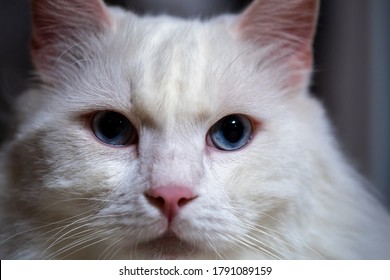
167	247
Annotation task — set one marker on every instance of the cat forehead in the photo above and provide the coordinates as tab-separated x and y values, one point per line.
175	68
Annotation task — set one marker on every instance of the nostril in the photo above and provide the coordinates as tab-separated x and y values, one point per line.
183	201
155	201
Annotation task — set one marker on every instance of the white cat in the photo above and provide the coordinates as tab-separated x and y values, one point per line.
163	138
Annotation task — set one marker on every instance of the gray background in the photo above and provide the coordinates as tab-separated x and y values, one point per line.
352	77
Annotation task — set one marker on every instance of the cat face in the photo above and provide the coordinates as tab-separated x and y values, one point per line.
164	138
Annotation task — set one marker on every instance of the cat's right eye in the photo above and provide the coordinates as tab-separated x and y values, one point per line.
113	129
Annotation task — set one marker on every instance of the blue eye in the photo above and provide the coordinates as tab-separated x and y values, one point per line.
113	129
231	133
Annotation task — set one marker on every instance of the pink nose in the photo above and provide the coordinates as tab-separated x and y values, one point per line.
170	199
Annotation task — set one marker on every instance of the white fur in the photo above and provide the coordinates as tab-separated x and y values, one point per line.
289	194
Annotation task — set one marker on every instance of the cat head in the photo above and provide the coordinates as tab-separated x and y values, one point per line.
158	137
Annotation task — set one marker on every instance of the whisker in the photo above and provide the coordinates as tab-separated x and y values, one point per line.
209	241
299	241
110	248
75	45
234	60
78	221
116	252
252	247
39	228
257	241
80	241
263	230
63	237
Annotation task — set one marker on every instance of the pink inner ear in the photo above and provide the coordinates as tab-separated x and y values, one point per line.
287	24
55	21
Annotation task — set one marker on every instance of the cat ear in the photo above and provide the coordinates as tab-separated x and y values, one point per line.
59	25
288	25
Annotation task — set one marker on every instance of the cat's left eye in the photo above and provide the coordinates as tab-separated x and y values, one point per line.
230	133
113	129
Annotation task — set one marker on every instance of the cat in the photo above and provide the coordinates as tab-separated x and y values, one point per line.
155	137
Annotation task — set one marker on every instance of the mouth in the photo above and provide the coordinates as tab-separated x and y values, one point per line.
168	246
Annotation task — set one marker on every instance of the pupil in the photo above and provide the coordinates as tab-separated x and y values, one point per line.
111	127
233	130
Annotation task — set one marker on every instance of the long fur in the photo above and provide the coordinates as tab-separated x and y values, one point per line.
288	194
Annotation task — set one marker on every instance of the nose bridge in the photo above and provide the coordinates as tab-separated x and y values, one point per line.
177	165
173	162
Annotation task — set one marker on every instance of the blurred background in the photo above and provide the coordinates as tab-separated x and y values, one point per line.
352	68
